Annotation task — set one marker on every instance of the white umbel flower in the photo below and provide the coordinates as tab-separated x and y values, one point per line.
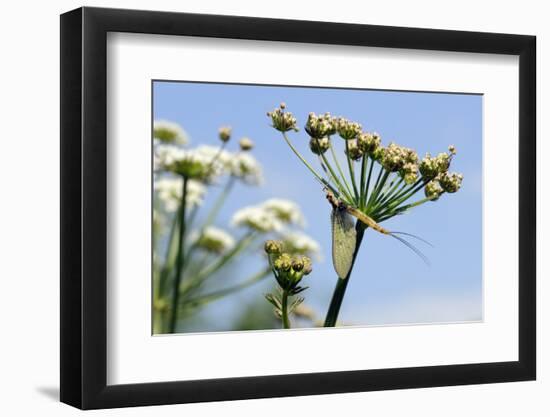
169	191
300	243
285	210
165	154
190	163
245	167
256	218
169	132
213	239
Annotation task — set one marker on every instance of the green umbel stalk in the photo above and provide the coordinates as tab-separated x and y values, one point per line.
180	260
341	284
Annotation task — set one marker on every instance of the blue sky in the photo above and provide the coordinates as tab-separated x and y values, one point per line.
390	285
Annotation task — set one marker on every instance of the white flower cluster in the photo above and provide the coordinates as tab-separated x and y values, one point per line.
169	132
213	239
169	191
300	243
285	210
241	165
269	216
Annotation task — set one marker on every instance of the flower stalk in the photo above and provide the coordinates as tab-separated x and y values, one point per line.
179	260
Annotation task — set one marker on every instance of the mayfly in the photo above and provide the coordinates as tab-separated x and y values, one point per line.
344	234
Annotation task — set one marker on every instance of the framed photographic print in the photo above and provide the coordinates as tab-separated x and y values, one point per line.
256	208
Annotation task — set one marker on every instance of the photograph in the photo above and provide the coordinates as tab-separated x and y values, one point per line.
294	207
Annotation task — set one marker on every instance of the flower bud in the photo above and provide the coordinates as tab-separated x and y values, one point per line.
347	129
319	146
409	173
246	144
433	190
429	167
368	142
224	133
273	247
283	263
319	126
282	121
450	182
353	150
297	263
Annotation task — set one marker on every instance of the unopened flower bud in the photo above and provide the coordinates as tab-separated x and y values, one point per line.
319	126
297	263
283	262
273	247
246	144
319	146
224	133
452	150
353	150
433	190
307	265
450	182
409	172
368	142
347	129
282	121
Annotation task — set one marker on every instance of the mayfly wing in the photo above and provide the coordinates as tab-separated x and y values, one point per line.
343	241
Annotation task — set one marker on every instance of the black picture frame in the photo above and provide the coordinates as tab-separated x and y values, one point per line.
84	207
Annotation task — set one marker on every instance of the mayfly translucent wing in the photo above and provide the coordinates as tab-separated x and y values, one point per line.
343	241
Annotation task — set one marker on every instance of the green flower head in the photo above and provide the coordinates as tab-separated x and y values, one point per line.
319	126
319	146
347	129
450	182
281	120
368	142
273	247
224	133
353	150
246	144
433	190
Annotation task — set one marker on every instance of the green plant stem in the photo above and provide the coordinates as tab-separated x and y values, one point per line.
347	190
341	284
381	180
367	186
352	174
213	213
284	310
302	158
364	164
214	267
392	190
215	295
341	189
180	260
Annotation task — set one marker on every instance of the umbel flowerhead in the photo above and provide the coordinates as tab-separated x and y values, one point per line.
246	144
348	129
281	120
224	133
380	180
288	269
319	146
320	126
